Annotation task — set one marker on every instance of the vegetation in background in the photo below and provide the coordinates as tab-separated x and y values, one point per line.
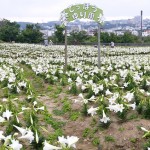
10	31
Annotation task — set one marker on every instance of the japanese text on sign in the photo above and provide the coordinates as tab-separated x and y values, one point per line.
80	11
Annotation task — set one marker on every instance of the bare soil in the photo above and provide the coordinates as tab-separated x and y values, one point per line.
123	135
126	135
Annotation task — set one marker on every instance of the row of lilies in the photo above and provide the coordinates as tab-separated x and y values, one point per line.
20	108
120	86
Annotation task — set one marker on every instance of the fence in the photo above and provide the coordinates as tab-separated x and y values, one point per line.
108	44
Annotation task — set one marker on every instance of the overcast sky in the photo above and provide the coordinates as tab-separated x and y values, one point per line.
48	10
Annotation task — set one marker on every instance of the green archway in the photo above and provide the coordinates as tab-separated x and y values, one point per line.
81	11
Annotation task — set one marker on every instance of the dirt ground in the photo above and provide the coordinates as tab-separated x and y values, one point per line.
126	135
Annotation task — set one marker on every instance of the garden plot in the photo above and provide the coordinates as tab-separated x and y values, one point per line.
41	107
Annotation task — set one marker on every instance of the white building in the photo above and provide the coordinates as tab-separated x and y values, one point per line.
134	32
146	33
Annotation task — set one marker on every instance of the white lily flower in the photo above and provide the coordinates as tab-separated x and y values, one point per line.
29	136
96	90
2	119
21	130
106	80
101	87
85	101
15	145
40	108
142	91
47	76
145	130
137	77
85	76
90	82
4	99
22	84
10	86
7	140
69	80
34	103
78	81
112	100
108	92
71	140
7	114
120	107
123	73
92	98
48	146
116	107
105	119
12	78
18	90
109	68
1	135
125	84
129	96
147	83
132	105
81	95
92	111
83	87
62	140
25	108
29	96
147	93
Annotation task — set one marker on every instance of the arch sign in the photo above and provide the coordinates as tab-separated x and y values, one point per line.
81	11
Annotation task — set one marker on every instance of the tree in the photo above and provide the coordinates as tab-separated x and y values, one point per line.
105	38
78	37
59	36
113	38
128	37
146	39
9	31
31	34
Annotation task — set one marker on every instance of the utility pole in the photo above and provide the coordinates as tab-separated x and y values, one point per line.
66	55
99	55
141	23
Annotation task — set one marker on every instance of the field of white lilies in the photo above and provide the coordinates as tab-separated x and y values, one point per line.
85	108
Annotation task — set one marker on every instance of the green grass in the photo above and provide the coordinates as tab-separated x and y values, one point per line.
50	88
36	82
121	129
86	132
58	112
133	140
53	136
95	141
54	123
132	116
109	138
74	115
58	90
